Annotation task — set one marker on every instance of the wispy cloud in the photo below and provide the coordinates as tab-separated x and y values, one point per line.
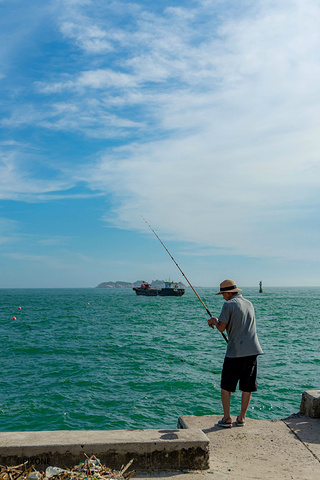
92	79
53	241
211	112
242	169
17	183
90	38
46	261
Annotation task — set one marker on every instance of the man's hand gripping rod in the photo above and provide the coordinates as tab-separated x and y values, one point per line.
207	310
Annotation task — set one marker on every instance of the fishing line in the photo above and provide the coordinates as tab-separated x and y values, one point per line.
207	310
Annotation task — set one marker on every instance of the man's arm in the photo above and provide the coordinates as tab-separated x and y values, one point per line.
214	322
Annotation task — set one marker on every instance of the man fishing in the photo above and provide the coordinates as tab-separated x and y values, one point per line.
240	363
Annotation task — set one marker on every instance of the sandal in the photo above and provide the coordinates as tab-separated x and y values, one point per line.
240	424
225	423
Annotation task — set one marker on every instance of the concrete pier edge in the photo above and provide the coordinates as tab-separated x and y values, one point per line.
310	403
165	450
187	448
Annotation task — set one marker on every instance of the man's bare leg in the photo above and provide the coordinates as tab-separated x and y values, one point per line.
226	399
245	400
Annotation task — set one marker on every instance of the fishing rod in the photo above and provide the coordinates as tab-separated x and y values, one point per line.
199	298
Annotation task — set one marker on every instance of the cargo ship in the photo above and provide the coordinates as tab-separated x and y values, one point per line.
170	289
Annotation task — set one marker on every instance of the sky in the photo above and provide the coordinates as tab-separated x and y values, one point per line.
202	116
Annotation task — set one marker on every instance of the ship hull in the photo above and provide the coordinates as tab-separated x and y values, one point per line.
151	292
163	292
170	292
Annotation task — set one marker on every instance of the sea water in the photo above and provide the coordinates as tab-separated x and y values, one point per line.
108	359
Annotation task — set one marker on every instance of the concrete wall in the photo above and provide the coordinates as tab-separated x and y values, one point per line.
150	449
310	403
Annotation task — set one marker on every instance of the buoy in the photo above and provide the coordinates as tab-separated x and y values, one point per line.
19	308
14	318
88	303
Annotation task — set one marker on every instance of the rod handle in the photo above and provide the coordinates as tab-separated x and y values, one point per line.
222	333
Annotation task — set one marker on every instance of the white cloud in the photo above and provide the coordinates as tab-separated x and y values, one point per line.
45	261
211	199
91	38
53	241
93	79
17	183
242	170
225	109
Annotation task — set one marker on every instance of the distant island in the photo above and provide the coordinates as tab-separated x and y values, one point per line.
137	283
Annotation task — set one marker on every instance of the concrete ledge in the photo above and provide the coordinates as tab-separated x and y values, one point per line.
165	450
310	403
262	449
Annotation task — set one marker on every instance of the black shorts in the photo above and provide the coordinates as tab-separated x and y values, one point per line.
243	369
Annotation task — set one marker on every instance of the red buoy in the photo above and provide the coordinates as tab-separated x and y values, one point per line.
19	308
14	318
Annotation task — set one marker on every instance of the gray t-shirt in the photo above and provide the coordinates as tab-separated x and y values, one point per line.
238	314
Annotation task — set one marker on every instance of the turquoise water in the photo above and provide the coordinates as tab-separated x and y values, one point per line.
124	361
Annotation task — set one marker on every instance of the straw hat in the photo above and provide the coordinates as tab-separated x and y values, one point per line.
228	286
